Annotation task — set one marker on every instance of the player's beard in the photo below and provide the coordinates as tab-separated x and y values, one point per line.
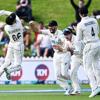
53	31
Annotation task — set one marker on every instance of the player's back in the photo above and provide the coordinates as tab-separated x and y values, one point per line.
15	32
90	29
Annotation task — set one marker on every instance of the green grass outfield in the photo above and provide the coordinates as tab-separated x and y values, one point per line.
41	96
46	10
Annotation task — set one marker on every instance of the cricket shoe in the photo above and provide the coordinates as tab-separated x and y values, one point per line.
95	92
75	92
68	91
7	74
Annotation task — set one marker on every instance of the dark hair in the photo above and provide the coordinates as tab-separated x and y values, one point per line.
83	11
10	19
96	12
41	22
73	24
53	23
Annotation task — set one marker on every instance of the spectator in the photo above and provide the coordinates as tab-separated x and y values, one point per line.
32	25
41	25
72	28
24	10
43	46
80	5
27	39
96	14
1	30
4	40
23	3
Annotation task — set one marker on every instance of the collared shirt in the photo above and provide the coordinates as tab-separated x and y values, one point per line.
87	30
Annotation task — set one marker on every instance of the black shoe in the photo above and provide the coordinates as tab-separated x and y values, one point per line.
7	74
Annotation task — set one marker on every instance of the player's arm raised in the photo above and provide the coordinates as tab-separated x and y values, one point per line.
34	26
4	12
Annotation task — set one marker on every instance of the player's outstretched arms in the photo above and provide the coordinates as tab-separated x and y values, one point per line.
34	26
4	12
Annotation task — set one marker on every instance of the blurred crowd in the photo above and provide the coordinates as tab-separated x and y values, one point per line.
39	44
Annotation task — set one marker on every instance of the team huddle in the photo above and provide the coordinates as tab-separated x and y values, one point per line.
70	50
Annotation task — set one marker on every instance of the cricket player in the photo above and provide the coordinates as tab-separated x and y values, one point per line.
14	55
61	61
62	55
88	30
76	61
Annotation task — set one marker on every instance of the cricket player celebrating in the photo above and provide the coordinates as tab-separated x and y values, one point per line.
62	55
14	55
88	30
76	60
61	59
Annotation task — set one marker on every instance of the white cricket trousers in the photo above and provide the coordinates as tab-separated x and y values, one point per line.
61	63
76	61
14	55
91	56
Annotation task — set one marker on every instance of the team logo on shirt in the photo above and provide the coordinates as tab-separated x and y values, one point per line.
41	72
